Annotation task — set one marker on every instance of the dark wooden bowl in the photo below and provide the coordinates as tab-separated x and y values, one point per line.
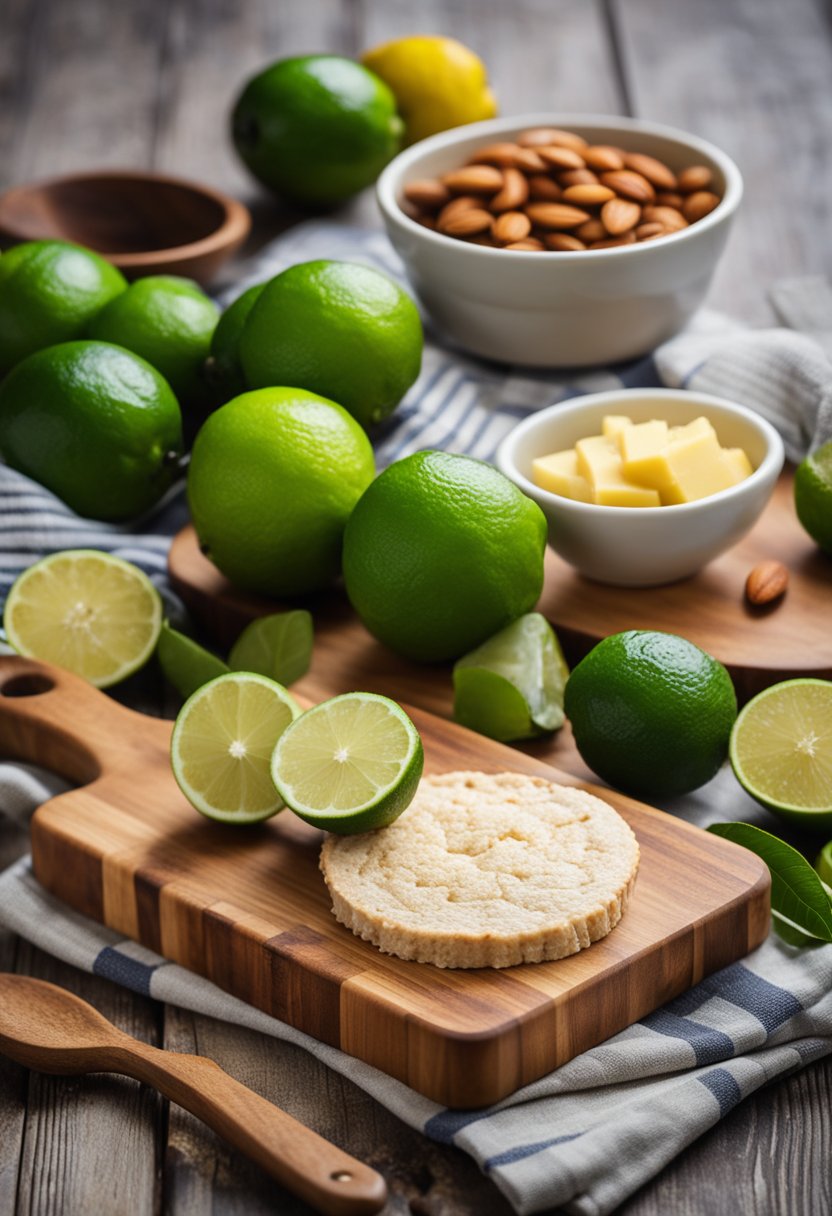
144	223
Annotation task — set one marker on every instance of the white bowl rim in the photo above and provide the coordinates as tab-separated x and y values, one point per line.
387	184
771	463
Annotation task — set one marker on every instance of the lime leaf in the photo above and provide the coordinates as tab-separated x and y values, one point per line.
186	664
800	906
511	687
277	646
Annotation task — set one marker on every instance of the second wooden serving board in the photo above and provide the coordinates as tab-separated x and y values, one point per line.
248	909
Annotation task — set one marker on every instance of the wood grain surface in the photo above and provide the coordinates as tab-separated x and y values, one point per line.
248	909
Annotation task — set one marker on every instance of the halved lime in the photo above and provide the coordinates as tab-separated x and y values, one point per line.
222	746
278	646
87	611
511	687
350	764
185	663
781	750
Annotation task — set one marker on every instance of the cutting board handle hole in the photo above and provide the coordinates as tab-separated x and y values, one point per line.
31	684
341	1176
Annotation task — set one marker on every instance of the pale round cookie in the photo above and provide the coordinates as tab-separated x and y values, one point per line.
486	870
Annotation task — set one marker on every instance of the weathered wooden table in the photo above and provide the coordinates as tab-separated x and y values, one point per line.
148	83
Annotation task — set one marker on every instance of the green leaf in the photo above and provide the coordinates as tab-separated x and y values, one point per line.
801	909
278	646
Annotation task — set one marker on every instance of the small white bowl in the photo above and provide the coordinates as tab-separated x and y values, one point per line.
560	309
645	546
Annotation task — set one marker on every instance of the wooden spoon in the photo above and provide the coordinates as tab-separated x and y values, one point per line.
49	1029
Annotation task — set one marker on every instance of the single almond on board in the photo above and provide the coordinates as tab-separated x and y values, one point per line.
529	161
537	137
427	192
592	230
766	582
672	219
646	232
474	179
530	245
514	194
467	223
501	155
669	198
561	158
654	170
563	242
589	195
629	238
603	157
543	189
556	215
698	205
695	177
619	215
465	202
511	226
629	184
578	177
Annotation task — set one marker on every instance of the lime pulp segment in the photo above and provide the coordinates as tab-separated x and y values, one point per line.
86	611
781	746
222	746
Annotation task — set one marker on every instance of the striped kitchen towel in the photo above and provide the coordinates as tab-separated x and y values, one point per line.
589	1134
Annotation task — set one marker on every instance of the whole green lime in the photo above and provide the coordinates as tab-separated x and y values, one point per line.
49	292
170	322
651	713
813	496
225	370
273	478
440	553
95	424
316	128
338	329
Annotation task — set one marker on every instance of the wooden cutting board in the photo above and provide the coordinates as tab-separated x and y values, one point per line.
758	646
247	907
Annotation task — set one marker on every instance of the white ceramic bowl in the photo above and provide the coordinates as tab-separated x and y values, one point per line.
560	309
645	546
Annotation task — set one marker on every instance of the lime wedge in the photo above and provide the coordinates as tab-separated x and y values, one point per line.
186	664
823	865
511	687
350	764
278	646
222	746
87	611
781	750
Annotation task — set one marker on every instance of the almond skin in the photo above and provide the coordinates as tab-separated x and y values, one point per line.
537	137
603	158
543	189
695	177
578	177
592	230
561	158
656	172
502	155
672	219
766	583
698	205
510	227
629	238
531	245
467	223
563	242
555	215
514	194
474	179
669	198
529	161
619	215
646	232
428	192
465	202
629	184
588	196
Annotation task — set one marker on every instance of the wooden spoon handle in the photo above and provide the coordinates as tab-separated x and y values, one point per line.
319	1172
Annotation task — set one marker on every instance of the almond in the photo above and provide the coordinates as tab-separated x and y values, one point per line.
646	232
669	198
427	192
629	185
514	194
628	238
555	215
603	157
695	177
588	196
465	202
511	226
502	155
563	242
544	189
766	582
529	161
592	230
654	170
698	205
561	158
578	177
531	245
620	215
466	223
672	219
537	137
427	221
474	179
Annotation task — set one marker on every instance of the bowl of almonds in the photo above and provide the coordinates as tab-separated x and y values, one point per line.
556	240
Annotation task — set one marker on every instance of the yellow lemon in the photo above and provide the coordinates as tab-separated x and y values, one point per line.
437	82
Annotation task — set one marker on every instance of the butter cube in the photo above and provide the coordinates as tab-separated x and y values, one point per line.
739	466
599	461
613	424
596	452
640	445
691	430
696	466
559	474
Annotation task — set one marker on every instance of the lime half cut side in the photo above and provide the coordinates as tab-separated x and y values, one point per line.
222	746
781	750
350	764
86	611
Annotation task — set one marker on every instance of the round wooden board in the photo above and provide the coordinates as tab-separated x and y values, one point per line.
759	646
